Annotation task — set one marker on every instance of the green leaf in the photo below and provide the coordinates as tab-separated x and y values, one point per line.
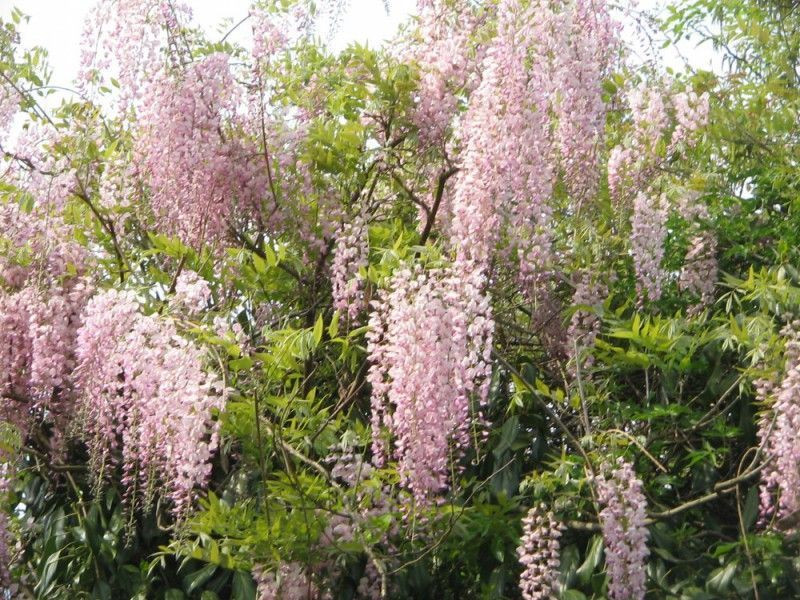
243	586
259	264
593	557
317	336
720	579
269	253
333	328
101	590
507	435
198	578
213	552
241	364
46	578
750	512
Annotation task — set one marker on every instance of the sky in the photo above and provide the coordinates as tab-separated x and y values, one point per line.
57	26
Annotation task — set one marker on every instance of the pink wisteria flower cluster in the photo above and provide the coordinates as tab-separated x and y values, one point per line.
446	63
649	232
6	537
292	581
192	292
145	394
653	139
139	388
43	289
584	44
130	42
364	503
236	152
536	115
350	255
198	175
699	272
505	166
429	348
539	554
5	553
623	520
585	324
700	266
780	479
9	106
315	580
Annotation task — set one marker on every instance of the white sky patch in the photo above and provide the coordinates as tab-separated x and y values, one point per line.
57	25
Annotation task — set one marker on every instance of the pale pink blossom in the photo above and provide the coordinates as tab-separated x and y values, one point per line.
622	518
200	178
192	292
780	478
429	348
648	234
585	324
538	553
699	272
146	400
291	581
350	256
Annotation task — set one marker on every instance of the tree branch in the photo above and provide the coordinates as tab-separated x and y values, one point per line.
437	200
106	223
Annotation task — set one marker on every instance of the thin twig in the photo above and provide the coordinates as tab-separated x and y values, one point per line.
641	447
437	200
107	224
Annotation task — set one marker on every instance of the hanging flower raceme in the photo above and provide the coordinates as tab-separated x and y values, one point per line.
292	581
146	400
445	64
45	173
622	519
533	71
319	577
780	479
268	36
201	178
691	114
5	553
192	292
350	255
649	232
583	50
131	41
538	553
364	503
9	106
54	321
43	290
699	273
429	345
630	163
15	351
506	174
633	163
